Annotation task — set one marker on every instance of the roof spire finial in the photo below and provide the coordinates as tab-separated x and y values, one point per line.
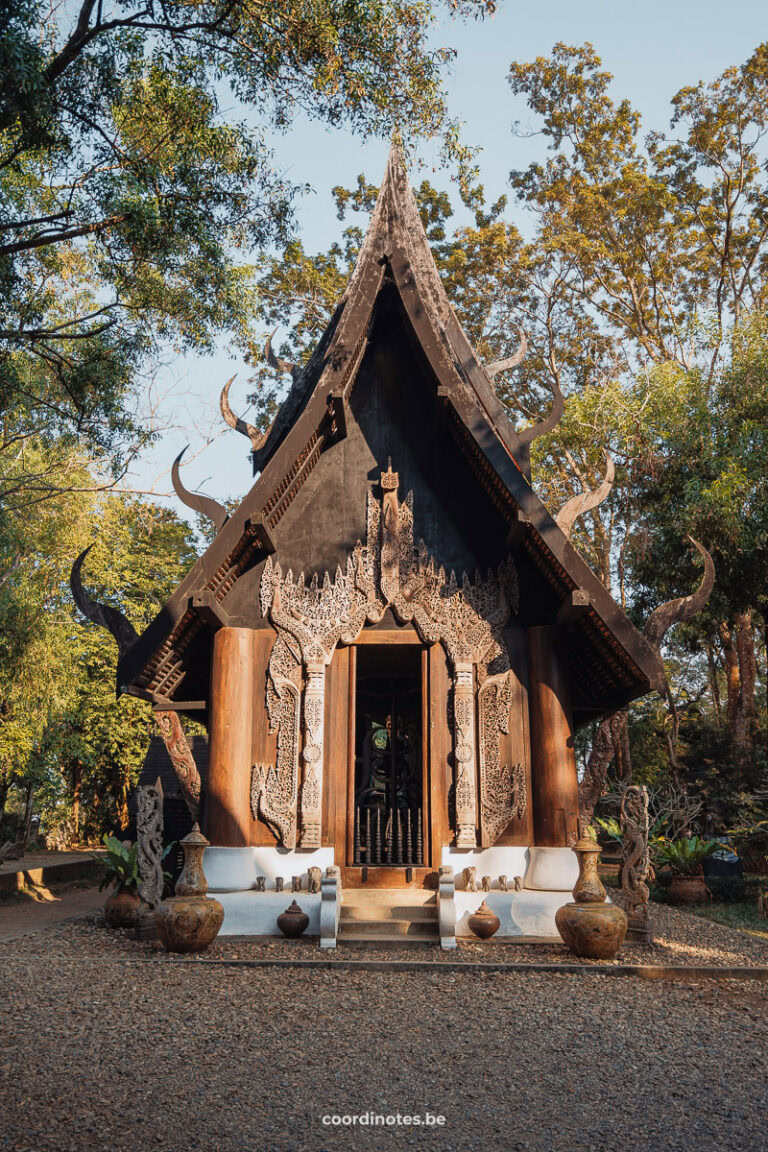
390	480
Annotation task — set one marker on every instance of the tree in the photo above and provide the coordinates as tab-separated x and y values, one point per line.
129	203
61	724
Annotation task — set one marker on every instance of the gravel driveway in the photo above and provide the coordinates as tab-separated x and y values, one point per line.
102	1052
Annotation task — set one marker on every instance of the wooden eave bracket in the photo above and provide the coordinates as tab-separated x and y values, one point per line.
257	527
209	609
576	604
518	527
337	416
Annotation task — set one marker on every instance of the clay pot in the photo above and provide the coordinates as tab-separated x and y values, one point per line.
484	923
190	920
590	927
688	890
293	921
595	931
188	923
121	908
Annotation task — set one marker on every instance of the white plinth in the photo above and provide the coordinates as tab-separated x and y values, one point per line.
552	869
256	913
236	869
509	861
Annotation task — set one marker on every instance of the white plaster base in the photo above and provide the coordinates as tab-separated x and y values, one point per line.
523	913
509	861
236	869
256	913
526	913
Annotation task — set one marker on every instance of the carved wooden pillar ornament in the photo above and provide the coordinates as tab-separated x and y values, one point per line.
312	786
464	752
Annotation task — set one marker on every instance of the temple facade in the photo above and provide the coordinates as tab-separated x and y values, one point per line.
391	641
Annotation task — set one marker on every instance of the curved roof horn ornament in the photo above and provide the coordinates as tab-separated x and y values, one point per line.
102	614
205	505
684	607
250	430
585	501
276	361
512	361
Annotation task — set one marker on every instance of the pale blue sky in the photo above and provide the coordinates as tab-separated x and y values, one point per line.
652	50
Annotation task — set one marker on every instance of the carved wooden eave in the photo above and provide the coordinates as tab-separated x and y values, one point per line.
610	661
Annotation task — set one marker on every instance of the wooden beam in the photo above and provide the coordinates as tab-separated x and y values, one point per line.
388	636
160	704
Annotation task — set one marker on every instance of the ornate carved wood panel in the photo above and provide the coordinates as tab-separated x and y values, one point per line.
467	617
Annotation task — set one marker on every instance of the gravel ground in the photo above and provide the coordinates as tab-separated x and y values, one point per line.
679	939
98	1051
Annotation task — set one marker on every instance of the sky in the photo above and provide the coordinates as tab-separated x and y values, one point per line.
652	50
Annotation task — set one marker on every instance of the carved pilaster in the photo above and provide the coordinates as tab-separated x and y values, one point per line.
464	751
312	784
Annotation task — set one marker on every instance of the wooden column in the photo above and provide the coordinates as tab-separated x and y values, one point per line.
553	762
227	804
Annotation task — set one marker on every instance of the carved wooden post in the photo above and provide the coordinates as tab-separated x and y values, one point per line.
312	784
227	814
464	751
554	780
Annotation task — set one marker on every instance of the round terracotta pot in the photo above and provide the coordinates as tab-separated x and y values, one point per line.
121	908
188	923
293	921
595	931
484	923
688	890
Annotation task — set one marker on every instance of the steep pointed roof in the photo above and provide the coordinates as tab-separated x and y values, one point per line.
396	243
608	655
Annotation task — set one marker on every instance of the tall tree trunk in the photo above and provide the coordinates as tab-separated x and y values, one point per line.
714	687
77	777
5	786
745	714
732	676
607	739
28	814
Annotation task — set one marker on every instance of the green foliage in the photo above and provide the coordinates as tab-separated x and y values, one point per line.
610	827
685	855
121	865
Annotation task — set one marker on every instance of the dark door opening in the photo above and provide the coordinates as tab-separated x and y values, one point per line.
388	816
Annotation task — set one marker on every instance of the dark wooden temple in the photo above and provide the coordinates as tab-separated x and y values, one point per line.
390	641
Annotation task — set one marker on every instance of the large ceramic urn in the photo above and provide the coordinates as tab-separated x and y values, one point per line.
590	927
190	920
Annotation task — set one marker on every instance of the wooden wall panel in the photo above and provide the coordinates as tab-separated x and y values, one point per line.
336	750
264	747
516	746
440	752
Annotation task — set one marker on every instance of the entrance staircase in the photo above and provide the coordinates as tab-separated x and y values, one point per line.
388	916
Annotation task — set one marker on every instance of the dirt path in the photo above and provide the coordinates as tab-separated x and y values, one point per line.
24	917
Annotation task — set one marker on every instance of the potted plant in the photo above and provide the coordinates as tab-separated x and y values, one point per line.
684	857
121	870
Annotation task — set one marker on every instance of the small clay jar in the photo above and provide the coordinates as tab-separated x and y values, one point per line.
293	921
121	908
484	923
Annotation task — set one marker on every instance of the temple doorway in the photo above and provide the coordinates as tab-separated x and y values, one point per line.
389	826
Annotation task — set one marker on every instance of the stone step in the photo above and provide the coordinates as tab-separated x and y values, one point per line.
381	932
392	927
405	897
416	912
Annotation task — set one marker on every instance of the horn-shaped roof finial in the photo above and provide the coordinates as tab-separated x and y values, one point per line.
102	614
